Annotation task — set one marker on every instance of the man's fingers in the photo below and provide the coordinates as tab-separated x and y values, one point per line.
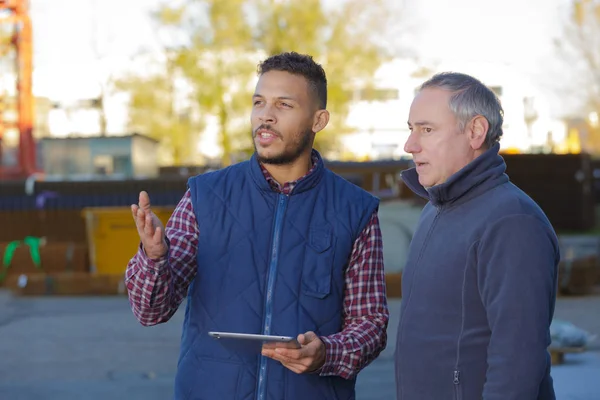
292	354
134	209
144	201
149	227
140	219
282	357
134	212
269	353
298	366
287	355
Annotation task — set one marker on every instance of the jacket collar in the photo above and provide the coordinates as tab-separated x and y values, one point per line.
482	174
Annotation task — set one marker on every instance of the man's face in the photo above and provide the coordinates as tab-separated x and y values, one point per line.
438	147
283	117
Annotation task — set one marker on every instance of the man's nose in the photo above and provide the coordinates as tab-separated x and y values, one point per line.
267	116
412	144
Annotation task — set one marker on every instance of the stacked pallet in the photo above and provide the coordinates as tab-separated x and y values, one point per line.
35	267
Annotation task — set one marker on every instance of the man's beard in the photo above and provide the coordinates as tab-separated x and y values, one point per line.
287	156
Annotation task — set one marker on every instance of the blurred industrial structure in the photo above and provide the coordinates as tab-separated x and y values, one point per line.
16	31
114	157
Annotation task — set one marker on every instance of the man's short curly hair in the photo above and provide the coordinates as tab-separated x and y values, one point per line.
303	65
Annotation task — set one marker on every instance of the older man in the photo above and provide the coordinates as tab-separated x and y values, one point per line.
480	281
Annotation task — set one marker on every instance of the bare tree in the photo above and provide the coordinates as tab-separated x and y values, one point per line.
579	50
105	79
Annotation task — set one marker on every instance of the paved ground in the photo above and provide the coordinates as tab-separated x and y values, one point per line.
93	349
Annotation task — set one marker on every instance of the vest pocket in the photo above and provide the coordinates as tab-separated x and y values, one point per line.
318	261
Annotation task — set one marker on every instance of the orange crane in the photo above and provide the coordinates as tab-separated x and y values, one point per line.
15	13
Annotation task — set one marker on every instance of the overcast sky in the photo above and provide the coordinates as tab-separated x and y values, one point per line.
508	31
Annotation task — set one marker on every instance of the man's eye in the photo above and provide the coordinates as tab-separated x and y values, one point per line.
427	130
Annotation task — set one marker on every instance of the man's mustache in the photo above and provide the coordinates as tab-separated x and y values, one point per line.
266	128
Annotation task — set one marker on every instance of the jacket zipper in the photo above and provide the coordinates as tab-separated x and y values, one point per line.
279	213
456	383
460	335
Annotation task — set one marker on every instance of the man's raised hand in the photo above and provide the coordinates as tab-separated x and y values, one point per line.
149	227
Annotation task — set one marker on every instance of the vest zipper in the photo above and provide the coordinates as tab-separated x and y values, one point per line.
272	273
456	382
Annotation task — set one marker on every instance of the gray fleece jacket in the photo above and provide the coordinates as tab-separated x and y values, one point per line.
478	291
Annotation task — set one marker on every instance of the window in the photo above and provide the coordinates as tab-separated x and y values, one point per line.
103	165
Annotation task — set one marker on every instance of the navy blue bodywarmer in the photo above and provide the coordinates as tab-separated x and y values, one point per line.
268	263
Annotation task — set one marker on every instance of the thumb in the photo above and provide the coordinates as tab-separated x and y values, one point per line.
158	235
306	338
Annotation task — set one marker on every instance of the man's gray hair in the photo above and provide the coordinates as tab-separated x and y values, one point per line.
469	99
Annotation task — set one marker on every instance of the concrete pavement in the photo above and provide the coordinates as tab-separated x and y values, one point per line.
93	349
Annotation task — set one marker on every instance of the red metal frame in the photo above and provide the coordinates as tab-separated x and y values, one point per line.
22	41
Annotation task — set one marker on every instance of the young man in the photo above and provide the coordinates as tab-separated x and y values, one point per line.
275	245
480	280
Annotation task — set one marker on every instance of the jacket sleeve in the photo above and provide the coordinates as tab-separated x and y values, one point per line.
517	277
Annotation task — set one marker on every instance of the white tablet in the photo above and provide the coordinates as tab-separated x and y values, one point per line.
256	342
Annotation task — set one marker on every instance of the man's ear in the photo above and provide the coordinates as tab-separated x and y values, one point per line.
477	130
320	120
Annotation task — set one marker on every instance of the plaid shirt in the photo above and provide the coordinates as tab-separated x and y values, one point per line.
156	288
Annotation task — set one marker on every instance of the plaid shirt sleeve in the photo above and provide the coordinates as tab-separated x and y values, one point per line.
156	288
366	315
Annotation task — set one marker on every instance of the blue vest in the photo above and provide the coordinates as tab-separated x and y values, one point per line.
267	264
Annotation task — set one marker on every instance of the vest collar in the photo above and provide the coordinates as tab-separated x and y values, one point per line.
305	183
